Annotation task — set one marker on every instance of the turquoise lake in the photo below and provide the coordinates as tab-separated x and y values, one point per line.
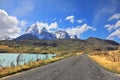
8	59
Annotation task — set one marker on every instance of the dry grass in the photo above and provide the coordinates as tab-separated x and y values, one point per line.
109	60
5	48
79	53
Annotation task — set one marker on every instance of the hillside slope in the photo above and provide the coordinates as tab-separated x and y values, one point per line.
57	46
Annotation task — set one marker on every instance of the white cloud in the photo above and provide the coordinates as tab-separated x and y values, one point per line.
109	27
113	26
53	25
42	25
117	24
78	30
70	18
8	25
79	20
115	16
114	34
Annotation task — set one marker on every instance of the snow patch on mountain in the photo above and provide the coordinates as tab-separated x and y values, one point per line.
40	32
73	37
60	34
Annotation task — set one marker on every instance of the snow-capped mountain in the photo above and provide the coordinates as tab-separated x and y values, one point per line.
46	35
73	37
60	34
33	30
38	32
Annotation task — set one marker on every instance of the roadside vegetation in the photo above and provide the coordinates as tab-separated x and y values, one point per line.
110	60
5	71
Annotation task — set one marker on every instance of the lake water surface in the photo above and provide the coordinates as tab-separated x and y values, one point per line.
8	59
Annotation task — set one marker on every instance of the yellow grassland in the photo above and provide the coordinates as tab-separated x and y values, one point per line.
110	60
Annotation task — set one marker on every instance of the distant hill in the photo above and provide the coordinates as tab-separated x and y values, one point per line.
93	40
33	45
102	44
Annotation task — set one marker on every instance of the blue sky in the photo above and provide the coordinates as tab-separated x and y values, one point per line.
85	18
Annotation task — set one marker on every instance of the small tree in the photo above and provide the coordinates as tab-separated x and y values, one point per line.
12	64
46	56
37	57
19	59
1	62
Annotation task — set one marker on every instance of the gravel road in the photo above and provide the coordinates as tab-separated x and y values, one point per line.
73	68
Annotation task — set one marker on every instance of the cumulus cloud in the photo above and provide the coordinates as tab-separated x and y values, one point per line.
8	25
109	27
114	34
78	30
117	24
53	25
42	25
115	16
70	18
79	20
113	26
